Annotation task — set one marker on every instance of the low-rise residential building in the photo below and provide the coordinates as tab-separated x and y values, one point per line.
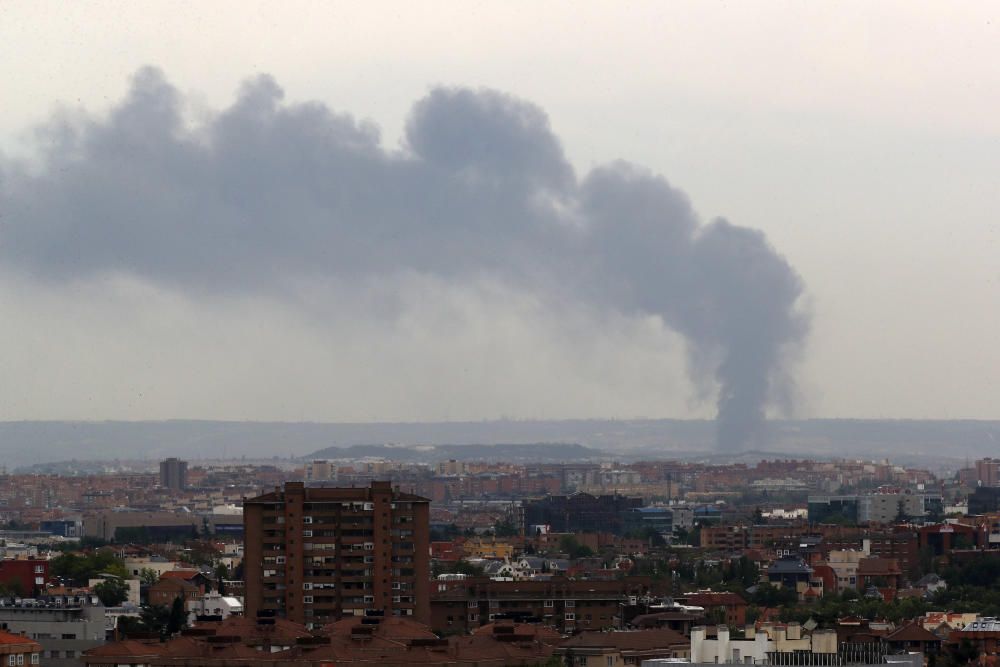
617	649
723	606
215	605
844	563
390	641
564	604
752	650
18	650
25	576
63	627
482	547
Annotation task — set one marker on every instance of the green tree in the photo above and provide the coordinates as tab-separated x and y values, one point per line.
901	515
457	567
177	620
81	568
129	626
154	618
505	528
768	595
12	588
960	654
148	576
221	574
111	592
571	546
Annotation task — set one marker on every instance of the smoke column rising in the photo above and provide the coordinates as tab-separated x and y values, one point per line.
264	195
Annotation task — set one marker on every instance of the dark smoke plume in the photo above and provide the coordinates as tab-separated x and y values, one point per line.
264	195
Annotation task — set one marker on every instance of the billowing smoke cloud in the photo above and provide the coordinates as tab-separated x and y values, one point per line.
265	196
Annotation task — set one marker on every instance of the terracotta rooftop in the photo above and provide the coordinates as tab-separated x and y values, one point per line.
389	627
712	598
636	640
530	631
186	575
11	640
874	567
275	630
912	632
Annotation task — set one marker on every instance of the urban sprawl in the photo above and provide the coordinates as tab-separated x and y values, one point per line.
497	564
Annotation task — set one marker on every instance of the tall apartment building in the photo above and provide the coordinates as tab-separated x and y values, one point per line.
988	472
321	471
173	474
315	554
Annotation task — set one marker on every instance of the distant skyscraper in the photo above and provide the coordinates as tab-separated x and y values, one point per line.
173	474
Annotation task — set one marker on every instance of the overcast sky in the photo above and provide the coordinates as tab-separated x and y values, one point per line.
862	138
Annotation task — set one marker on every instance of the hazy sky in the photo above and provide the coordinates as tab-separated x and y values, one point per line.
862	138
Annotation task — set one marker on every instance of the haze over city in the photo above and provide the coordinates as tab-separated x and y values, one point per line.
499	333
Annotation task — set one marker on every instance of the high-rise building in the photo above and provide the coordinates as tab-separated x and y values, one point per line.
320	471
988	472
315	554
173	474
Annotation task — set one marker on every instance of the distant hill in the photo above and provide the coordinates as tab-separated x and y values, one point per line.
537	452
27	443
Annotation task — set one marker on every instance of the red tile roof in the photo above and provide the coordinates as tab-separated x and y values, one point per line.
634	640
186	575
13	641
912	632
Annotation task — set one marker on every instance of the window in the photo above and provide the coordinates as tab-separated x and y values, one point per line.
570	603
369	506
570	617
280	560
40	569
307	519
11	659
473	604
307	533
472	617
307	586
34	659
549	604
610	661
307	599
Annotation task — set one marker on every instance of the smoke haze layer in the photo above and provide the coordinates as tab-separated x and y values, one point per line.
264	197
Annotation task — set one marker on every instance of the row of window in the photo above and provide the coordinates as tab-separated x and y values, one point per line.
569	616
18	659
548	604
367	599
